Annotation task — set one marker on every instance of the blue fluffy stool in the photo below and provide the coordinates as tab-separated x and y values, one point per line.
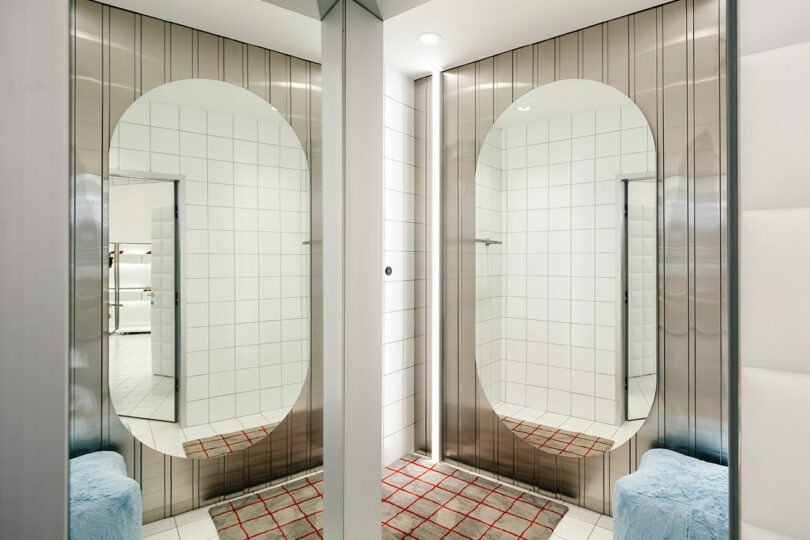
671	496
105	504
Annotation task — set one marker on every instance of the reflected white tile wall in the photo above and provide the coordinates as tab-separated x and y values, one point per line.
244	216
546	312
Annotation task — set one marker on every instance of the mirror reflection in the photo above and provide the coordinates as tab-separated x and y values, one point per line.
209	281
564	360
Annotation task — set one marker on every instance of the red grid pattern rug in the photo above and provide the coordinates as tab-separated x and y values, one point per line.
422	500
558	441
226	443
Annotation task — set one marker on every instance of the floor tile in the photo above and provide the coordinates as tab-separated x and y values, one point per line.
158	527
171	534
198	530
599	533
573	529
605	522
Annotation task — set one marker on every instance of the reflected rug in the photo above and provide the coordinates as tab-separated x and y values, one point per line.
422	500
558	441
226	443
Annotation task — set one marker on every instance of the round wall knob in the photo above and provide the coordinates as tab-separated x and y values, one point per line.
388	271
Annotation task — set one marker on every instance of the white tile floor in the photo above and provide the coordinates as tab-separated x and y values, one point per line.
134	390
640	395
618	434
577	524
168	437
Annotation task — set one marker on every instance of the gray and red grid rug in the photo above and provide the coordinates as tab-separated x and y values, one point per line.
226	443
558	441
422	500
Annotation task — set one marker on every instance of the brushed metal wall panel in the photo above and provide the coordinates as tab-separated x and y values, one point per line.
467	157
568	56
644	55
280	82
503	82
544	62
120	55
617	55
708	282
523	70
152	54
676	223
257	76
233	71
208	56
422	210
592	53
86	364
451	264
181	56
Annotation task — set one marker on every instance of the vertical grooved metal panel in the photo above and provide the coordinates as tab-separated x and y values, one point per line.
152	54
592	53
676	225
451	264
119	56
181	55
708	201
485	118
523	70
669	60
568	56
86	362
545	62
618	61
207	56
232	62
422	205
280	82
467	157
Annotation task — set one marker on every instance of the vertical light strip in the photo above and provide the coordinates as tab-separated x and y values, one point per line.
436	271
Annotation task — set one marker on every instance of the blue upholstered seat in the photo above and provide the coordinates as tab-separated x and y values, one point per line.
673	497
105	504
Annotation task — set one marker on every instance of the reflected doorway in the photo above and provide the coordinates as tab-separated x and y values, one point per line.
143	296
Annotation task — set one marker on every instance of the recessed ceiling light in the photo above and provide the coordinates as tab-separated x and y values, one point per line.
524	108
430	38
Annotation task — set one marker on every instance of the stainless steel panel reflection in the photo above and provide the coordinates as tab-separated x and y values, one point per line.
592	53
86	365
523	71
232	62
468	375
119	55
707	201
643	55
451	264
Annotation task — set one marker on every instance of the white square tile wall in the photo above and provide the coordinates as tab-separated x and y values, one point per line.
244	216
405	252
547	329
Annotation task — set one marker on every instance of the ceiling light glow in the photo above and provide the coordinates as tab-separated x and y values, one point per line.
430	38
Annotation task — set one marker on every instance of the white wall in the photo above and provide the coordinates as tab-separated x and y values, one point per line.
559	198
244	215
404	226
774	267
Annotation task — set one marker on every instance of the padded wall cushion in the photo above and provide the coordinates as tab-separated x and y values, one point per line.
105	504
672	496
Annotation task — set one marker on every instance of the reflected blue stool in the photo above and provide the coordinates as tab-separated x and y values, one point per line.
671	496
105	504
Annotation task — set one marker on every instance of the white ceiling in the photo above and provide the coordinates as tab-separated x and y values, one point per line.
470	29
474	29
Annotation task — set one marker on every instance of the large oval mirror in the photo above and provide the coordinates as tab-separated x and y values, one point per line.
209	280
566	286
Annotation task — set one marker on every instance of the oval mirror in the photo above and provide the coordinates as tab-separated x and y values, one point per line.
209	279
566	286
